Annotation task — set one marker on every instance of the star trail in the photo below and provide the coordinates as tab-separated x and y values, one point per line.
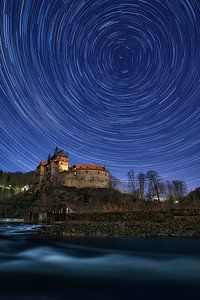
113	82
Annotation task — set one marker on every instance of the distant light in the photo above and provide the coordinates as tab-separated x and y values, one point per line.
25	188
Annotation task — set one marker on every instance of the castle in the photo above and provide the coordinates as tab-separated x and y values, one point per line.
56	171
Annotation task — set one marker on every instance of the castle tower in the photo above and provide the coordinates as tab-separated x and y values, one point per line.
58	163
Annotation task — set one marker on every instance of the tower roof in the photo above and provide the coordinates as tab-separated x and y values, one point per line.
58	152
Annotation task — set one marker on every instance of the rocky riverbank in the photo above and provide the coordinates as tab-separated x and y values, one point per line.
131	224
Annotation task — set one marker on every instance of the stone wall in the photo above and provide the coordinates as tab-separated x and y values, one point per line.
92	178
85	178
67	179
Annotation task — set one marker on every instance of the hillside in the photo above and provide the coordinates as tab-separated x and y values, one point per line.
86	200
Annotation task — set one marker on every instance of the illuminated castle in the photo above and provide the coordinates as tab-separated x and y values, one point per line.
56	171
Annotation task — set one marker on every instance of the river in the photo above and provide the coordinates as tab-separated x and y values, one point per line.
32	267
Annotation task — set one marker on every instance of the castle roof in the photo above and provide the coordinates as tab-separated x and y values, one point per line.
43	163
88	167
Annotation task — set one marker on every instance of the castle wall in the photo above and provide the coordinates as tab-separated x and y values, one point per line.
85	178
68	179
92	178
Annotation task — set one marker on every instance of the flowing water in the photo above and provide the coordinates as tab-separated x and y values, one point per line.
123	268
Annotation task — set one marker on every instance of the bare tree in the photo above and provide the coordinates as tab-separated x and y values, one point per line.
131	180
132	184
163	192
141	183
169	190
154	181
179	189
114	182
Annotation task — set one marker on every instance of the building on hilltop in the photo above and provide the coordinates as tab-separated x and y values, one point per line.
56	171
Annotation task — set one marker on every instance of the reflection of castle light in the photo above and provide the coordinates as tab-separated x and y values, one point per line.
56	171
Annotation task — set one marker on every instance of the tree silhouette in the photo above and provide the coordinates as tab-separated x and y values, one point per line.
154	180
141	183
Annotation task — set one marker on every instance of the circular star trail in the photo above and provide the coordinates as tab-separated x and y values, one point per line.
113	82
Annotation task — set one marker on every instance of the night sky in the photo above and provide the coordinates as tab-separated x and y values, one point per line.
113	82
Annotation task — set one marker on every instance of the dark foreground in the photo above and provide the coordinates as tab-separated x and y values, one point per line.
126	268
